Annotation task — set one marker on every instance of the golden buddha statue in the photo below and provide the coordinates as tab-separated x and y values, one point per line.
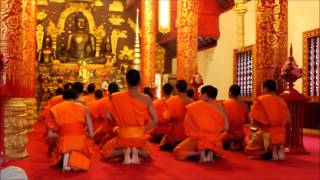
47	54
81	45
84	74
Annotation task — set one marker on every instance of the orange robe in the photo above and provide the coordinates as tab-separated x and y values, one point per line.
160	106
68	120
203	125
104	128
52	102
273	113
176	112
131	116
94	112
237	114
88	98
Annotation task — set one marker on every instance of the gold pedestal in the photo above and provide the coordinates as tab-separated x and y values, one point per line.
15	123
31	112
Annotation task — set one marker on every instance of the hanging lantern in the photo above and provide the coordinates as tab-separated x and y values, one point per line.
164	16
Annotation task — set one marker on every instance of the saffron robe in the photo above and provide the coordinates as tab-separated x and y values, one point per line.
203	125
237	114
68	120
104	131
131	116
52	102
88	98
160	106
175	116
273	114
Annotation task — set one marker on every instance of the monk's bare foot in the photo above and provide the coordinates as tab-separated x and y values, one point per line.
135	156
281	153
66	166
126	154
275	156
210	158
203	157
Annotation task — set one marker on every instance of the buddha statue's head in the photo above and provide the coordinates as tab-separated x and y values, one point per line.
80	21
47	41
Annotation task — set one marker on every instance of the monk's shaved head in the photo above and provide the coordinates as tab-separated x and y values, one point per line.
235	90
270	85
167	88
113	87
211	91
182	85
70	94
133	77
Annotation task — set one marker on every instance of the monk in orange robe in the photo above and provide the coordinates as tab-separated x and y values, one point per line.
237	113
270	113
66	122
204	122
93	108
104	132
175	116
91	95
131	109
160	106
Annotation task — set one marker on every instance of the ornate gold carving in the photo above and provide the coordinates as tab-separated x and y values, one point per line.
272	40
116	6
57	1
240	9
148	41
126	52
305	66
41	15
40	36
132	24
31	111
53	31
115	19
98	3
115	35
136	63
15	133
160	58
43	2
187	39
73	9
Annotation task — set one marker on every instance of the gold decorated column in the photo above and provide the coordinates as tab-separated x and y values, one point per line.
187	38
18	57
271	41
148	41
240	9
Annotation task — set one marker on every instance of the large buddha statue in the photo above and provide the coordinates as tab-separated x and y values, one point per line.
81	45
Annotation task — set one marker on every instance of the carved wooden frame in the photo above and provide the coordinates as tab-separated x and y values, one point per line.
235	68
305	77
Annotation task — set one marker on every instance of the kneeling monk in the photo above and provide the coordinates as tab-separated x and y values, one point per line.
204	122
130	109
66	122
237	113
270	114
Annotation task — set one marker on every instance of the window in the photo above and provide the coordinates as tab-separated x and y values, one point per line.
243	70
311	64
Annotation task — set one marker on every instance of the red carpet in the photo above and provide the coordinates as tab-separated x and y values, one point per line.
233	165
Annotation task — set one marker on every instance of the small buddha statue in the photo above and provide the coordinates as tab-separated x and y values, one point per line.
84	73
81	45
47	54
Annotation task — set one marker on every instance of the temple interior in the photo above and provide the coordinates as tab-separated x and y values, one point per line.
45	44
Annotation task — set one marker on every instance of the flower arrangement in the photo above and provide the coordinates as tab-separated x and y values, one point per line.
290	70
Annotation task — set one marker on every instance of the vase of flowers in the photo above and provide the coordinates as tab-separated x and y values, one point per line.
290	71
